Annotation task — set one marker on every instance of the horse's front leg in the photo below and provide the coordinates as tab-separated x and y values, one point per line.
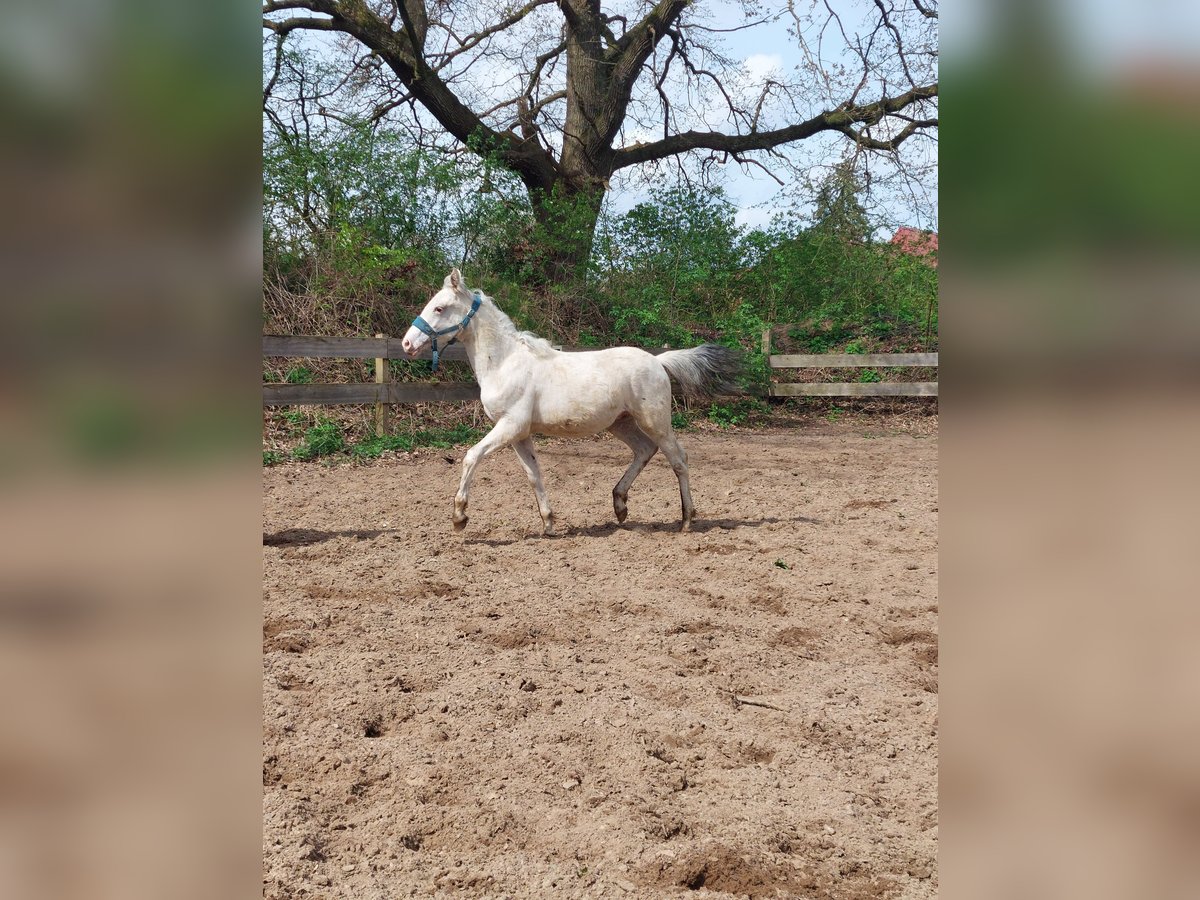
504	432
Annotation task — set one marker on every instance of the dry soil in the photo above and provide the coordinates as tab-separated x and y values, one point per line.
749	709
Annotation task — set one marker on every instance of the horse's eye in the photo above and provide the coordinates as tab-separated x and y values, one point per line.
439	309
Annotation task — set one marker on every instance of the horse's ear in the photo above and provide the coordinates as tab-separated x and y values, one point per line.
454	280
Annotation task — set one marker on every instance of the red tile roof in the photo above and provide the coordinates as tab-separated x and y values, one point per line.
916	242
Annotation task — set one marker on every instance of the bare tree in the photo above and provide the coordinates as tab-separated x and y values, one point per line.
567	94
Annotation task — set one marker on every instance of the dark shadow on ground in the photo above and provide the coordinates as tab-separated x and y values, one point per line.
300	537
608	529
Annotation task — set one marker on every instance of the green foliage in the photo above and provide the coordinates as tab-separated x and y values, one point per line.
294	417
273	457
327	438
374	447
838	211
298	375
780	564
727	415
443	438
669	268
823	336
869	376
681	420
322	439
366	190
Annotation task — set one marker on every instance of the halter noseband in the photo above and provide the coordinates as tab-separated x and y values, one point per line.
421	325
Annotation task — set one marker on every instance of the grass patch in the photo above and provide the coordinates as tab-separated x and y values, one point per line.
443	438
322	439
447	437
374	447
727	415
327	439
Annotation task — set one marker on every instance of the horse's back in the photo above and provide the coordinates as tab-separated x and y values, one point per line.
615	367
585	392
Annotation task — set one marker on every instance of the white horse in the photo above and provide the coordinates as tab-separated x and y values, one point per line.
528	387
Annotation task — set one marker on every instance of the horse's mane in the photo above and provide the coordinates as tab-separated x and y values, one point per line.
540	346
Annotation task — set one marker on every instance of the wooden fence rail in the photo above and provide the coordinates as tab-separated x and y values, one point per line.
384	392
849	361
390	392
349	348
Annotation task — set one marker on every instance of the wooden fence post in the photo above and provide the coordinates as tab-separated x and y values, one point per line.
766	342
381	409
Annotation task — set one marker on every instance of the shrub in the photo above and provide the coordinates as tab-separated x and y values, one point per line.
322	439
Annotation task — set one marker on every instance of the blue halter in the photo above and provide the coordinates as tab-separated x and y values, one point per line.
421	325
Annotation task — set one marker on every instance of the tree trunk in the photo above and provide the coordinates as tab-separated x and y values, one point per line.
565	218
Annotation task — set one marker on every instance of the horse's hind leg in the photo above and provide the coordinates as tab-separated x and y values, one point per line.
643	449
529	461
656	425
677	457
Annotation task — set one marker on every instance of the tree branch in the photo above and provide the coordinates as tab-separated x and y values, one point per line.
471	41
270	86
286	26
311	5
838	120
883	14
870	143
402	52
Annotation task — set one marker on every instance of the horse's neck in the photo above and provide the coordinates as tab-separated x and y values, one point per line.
488	343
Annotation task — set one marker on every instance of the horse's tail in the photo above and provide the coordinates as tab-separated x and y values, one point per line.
703	371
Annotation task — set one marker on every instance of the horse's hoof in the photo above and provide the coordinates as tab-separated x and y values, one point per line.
686	525
620	507
460	524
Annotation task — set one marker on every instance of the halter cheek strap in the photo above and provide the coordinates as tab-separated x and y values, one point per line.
421	325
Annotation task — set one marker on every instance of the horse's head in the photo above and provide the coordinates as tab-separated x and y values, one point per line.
446	313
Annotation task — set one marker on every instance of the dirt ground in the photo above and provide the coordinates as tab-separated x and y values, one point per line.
749	709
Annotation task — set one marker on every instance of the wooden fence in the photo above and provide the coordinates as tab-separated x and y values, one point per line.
849	361
384	392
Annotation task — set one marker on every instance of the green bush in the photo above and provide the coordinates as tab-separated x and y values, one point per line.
681	420
322	439
727	415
